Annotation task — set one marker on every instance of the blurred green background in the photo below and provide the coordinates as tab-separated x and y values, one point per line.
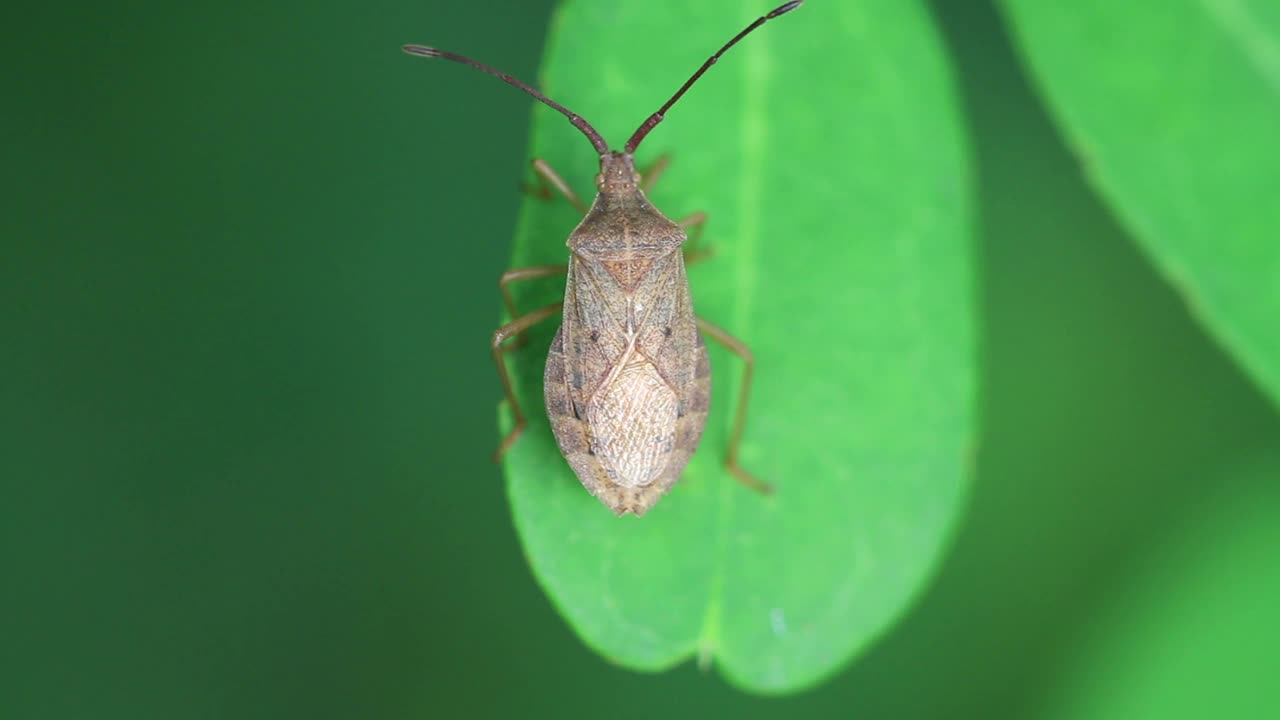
248	280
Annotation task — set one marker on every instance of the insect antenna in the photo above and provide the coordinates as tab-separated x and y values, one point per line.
657	117
596	140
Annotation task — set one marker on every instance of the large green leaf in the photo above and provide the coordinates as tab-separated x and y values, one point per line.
1174	108
827	150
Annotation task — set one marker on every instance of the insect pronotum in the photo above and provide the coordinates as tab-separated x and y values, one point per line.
627	383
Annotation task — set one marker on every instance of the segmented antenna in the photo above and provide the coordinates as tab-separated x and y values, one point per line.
596	140
657	117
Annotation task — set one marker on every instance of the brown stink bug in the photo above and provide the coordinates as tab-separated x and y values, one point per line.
627	381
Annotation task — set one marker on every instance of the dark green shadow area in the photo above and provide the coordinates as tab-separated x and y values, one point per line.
248	282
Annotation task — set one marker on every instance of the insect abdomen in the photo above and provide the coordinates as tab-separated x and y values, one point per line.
570	414
632	425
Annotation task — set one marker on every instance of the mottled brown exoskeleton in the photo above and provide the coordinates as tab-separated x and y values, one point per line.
627	382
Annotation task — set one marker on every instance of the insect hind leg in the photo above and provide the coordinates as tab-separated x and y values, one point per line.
739	348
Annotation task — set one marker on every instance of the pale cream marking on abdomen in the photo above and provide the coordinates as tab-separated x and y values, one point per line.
633	425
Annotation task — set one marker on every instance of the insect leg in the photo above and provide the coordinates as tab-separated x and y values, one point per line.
500	336
547	179
737	347
696	222
515	275
649	176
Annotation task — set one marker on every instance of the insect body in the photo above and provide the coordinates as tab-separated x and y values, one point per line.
627	383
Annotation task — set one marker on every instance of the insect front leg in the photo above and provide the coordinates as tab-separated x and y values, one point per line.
649	176
515	275
515	327
695	222
549	178
737	347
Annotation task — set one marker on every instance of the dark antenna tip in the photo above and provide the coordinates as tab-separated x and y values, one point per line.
659	116
785	9
422	50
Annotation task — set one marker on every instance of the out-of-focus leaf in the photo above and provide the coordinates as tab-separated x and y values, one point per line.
1174	108
1193	633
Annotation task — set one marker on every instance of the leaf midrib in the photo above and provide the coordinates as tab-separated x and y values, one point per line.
754	68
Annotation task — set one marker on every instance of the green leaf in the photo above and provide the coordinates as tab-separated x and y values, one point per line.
1174	108
828	153
1191	632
